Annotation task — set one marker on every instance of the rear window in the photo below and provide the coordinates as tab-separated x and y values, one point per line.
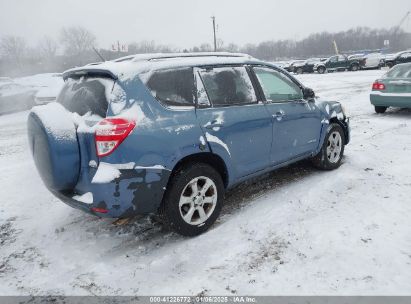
400	71
86	95
173	87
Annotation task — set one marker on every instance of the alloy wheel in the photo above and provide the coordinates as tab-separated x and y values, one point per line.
334	147
198	200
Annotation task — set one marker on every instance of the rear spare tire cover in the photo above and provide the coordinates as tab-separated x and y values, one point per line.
54	146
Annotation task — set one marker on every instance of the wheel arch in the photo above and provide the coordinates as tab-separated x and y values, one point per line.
209	158
343	126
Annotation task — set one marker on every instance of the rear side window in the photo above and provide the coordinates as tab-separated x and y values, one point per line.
173	87
400	71
86	95
228	86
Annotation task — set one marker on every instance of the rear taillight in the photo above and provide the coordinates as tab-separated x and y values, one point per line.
378	86
110	133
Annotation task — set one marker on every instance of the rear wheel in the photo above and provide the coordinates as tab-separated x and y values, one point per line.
380	110
193	199
321	70
299	71
332	151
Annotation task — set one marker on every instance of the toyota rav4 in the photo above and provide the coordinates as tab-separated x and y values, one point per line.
170	133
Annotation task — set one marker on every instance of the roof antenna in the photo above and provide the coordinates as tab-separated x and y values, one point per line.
98	54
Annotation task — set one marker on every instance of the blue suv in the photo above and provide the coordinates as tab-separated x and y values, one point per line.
170	133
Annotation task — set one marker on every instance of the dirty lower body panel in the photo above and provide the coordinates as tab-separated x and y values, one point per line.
135	191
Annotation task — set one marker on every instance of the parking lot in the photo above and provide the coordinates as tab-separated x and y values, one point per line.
295	231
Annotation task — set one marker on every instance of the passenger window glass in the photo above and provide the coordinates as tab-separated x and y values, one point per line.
333	59
277	87
228	86
173	87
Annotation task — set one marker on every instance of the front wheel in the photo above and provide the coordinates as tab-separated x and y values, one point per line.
321	70
380	109
354	68
299	71
332	151
193	199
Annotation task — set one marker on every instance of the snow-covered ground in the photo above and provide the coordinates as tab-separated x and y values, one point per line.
295	231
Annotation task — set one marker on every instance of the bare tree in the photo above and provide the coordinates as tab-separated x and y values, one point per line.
13	48
47	47
77	40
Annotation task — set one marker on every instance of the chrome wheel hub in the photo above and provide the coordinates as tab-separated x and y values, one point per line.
198	200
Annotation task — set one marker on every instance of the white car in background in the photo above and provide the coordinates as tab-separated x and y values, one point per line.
373	61
45	95
48	93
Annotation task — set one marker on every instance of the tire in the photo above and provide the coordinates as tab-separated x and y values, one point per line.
321	70
180	200
354	67
332	151
390	65
380	109
299	71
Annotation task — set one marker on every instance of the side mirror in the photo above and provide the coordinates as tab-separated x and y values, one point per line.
308	93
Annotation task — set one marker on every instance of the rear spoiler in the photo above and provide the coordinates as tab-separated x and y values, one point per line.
90	72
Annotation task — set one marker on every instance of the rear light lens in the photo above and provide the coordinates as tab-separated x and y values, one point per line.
110	133
378	86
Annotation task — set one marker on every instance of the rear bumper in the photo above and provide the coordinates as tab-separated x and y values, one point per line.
135	191
391	100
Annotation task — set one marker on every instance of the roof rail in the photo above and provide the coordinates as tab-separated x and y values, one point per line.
159	56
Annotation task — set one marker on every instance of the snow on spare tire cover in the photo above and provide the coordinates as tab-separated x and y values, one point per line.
54	146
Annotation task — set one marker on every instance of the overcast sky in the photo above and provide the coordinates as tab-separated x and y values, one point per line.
185	23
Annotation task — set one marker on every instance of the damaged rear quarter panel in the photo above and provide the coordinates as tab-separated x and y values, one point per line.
161	138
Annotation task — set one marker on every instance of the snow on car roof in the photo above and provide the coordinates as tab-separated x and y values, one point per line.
128	67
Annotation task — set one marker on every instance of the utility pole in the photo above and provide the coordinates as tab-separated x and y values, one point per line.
215	39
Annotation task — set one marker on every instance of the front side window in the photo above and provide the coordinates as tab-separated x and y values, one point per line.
276	86
228	86
173	87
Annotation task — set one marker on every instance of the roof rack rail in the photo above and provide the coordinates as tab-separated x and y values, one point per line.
160	56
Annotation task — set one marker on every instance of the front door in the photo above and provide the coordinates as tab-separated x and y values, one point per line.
235	124
296	122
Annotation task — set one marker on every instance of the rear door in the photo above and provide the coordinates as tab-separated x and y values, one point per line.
332	63
236	125
342	62
296	122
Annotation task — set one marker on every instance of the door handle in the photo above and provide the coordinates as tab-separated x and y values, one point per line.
279	115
